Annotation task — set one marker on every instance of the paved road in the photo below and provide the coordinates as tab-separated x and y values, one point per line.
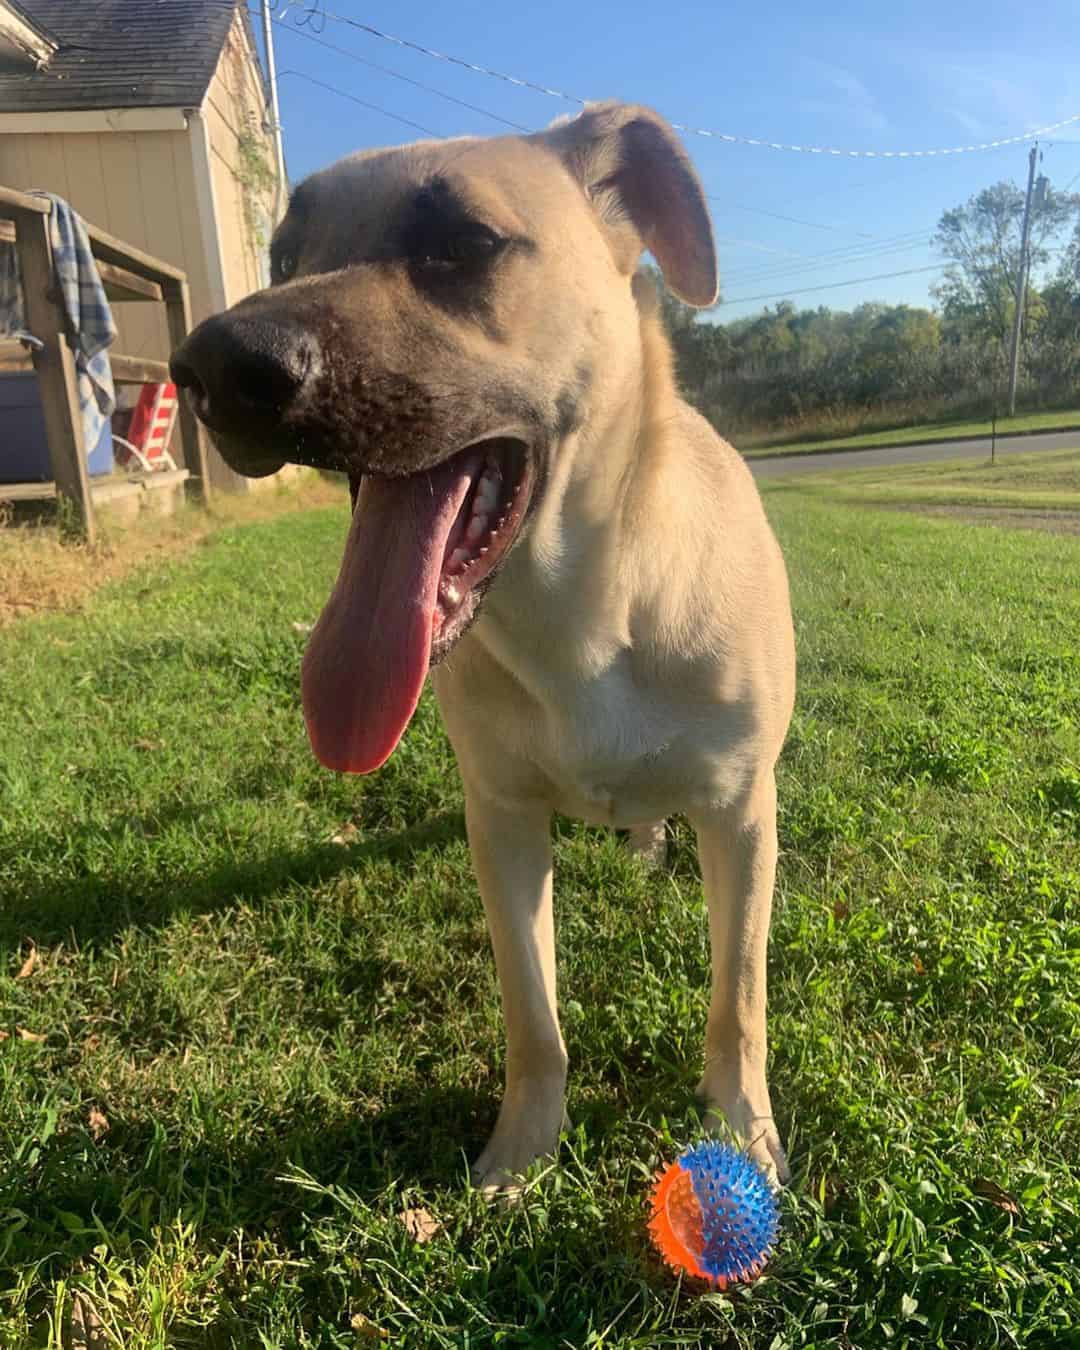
913	454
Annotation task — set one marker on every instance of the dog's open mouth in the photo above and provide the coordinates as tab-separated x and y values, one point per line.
483	530
420	552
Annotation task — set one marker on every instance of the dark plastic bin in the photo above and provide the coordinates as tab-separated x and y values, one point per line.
24	449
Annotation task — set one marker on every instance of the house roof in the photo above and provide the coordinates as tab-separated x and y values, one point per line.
121	54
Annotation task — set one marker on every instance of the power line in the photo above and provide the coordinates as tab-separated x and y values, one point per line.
517	126
794	275
761	248
765	271
761	270
758	275
312	15
745	299
750	274
396	75
832	285
727	137
373	107
792	220
451	60
847	253
852	281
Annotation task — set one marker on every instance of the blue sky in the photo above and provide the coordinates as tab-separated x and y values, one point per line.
886	77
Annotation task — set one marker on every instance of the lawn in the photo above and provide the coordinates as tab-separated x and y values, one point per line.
925	432
249	1012
1047	482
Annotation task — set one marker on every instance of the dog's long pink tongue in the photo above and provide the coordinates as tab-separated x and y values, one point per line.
368	655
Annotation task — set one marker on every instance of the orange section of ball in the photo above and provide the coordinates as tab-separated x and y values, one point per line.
676	1221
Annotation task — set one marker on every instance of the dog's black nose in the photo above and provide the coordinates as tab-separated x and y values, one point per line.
243	371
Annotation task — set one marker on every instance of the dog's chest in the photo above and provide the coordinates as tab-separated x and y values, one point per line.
612	747
620	755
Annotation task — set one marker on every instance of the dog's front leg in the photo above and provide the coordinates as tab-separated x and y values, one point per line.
511	852
738	866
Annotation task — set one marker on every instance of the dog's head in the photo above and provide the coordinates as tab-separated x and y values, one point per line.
442	318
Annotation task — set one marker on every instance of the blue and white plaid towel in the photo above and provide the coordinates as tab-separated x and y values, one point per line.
89	315
11	307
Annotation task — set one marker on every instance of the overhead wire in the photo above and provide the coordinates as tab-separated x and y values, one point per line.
372	107
851	281
517	126
852	253
758	247
831	285
835	257
795	276
728	137
397	75
792	220
901	244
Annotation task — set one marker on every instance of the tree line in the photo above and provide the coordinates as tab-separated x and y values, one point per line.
790	372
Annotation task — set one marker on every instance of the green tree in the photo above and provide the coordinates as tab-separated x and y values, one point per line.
982	241
701	347
902	331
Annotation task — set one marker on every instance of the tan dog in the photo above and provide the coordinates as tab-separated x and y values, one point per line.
537	514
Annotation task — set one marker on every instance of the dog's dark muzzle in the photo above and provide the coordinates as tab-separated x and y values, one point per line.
245	376
278	384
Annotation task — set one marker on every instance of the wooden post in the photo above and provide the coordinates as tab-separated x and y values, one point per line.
192	436
55	367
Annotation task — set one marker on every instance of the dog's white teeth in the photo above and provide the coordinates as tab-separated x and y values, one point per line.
458	558
487	494
477	526
451	594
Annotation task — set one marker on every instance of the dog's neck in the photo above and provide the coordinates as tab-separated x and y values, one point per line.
569	565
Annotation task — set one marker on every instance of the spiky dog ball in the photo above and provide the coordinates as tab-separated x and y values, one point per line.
714	1215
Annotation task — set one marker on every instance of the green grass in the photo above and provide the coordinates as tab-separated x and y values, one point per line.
274	983
1026	482
1060	420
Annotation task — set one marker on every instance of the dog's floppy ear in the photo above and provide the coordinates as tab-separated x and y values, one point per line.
645	190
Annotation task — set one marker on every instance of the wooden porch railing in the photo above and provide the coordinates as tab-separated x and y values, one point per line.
127	274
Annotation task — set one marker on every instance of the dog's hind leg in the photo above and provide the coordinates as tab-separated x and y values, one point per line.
649	843
738	867
511	852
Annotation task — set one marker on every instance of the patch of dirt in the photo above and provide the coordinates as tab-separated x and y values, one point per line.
1006	517
39	574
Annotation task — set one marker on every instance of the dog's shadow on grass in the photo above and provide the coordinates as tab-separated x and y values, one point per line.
307	1158
93	907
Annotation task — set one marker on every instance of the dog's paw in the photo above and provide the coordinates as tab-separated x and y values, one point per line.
530	1121
750	1127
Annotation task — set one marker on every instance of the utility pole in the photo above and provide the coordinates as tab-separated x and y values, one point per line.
1021	282
275	111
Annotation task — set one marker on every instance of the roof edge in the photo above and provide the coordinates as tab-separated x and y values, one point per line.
27	34
161	118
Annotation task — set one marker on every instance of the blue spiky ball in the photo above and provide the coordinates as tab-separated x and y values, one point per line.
714	1215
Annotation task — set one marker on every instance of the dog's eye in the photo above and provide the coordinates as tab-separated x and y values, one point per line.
470	244
285	266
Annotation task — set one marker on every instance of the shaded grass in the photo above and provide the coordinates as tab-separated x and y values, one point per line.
274	984
923	432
